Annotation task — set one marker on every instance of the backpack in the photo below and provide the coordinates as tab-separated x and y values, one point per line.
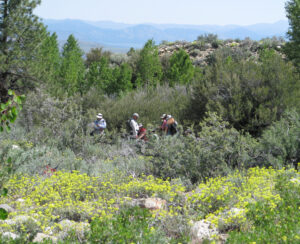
128	126
173	128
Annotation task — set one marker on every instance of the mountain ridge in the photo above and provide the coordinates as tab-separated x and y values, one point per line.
112	35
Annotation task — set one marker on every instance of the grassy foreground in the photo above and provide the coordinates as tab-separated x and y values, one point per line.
259	205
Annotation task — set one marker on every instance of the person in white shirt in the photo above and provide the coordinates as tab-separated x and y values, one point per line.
134	126
99	125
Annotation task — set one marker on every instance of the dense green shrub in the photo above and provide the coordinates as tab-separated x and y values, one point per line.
248	94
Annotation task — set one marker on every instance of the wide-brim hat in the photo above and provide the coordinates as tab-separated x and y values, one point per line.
136	115
99	116
163	116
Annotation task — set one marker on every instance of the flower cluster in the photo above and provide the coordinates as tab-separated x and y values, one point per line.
222	201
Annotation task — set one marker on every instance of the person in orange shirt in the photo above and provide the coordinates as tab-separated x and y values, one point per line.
171	127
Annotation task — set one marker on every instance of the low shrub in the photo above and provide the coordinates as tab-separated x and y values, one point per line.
273	225
132	225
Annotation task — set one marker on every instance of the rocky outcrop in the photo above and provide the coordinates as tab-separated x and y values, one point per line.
202	230
10	235
150	203
200	52
7	208
66	226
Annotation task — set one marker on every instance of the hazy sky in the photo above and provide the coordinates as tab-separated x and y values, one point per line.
197	12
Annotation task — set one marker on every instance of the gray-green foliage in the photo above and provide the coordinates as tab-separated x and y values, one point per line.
50	119
280	143
95	55
216	150
149	104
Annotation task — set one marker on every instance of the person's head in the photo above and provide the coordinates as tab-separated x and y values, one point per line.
135	116
163	117
99	116
168	117
140	125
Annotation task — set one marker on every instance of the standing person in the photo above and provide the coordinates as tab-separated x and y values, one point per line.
134	126
171	128
99	125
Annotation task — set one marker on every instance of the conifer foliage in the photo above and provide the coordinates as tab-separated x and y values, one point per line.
293	46
21	33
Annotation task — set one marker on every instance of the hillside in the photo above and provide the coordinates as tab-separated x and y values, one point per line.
200	51
124	36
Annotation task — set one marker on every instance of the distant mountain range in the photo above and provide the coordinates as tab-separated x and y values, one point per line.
119	37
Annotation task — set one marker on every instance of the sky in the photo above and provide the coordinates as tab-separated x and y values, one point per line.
195	12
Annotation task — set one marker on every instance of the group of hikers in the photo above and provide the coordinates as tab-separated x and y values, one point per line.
137	130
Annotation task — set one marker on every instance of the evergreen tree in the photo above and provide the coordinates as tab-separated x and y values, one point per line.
21	34
72	67
292	48
149	68
181	69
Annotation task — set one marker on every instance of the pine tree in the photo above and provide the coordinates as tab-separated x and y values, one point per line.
72	67
21	34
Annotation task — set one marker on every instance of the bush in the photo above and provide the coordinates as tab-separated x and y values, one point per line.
216	151
273	225
131	225
149	104
249	95
280	143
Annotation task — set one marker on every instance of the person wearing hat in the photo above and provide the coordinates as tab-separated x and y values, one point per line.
171	128
142	133
134	126
164	122
99	125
